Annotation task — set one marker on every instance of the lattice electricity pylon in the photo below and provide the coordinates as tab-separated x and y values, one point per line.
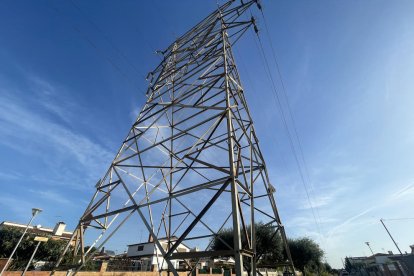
190	165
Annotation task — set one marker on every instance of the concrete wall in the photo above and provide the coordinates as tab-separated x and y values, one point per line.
119	273
90	273
3	262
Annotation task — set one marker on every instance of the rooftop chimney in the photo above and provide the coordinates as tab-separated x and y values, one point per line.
412	249
59	228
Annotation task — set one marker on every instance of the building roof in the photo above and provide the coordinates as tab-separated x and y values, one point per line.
173	238
356	258
381	254
34	229
370	257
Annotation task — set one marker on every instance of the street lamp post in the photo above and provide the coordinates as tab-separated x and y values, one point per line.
39	240
367	243
35	211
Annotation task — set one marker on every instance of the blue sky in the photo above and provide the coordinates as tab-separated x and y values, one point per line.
72	82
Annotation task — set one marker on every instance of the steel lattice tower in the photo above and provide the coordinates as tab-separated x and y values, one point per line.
191	163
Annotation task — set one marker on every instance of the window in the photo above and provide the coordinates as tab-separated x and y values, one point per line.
140	248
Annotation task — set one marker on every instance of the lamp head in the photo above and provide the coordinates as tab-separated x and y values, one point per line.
36	211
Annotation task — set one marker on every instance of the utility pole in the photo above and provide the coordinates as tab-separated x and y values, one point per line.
386	229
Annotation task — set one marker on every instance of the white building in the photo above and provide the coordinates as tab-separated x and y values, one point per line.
58	232
151	258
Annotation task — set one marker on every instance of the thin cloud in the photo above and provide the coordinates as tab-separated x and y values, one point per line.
30	132
41	130
349	222
10	175
21	208
356	219
53	99
405	191
51	196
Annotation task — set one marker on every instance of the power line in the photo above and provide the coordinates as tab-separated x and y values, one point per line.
164	20
295	132
101	53
286	98
239	58
283	117
149	45
120	53
390	219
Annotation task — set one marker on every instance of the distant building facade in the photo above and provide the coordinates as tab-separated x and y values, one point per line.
58	232
381	264
148	257
406	261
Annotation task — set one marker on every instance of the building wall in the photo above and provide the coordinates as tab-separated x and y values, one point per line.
163	264
382	260
149	249
3	262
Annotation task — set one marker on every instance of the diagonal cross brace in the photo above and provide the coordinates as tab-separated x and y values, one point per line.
197	219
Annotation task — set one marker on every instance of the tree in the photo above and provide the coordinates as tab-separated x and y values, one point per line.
306	254
48	251
269	246
328	267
